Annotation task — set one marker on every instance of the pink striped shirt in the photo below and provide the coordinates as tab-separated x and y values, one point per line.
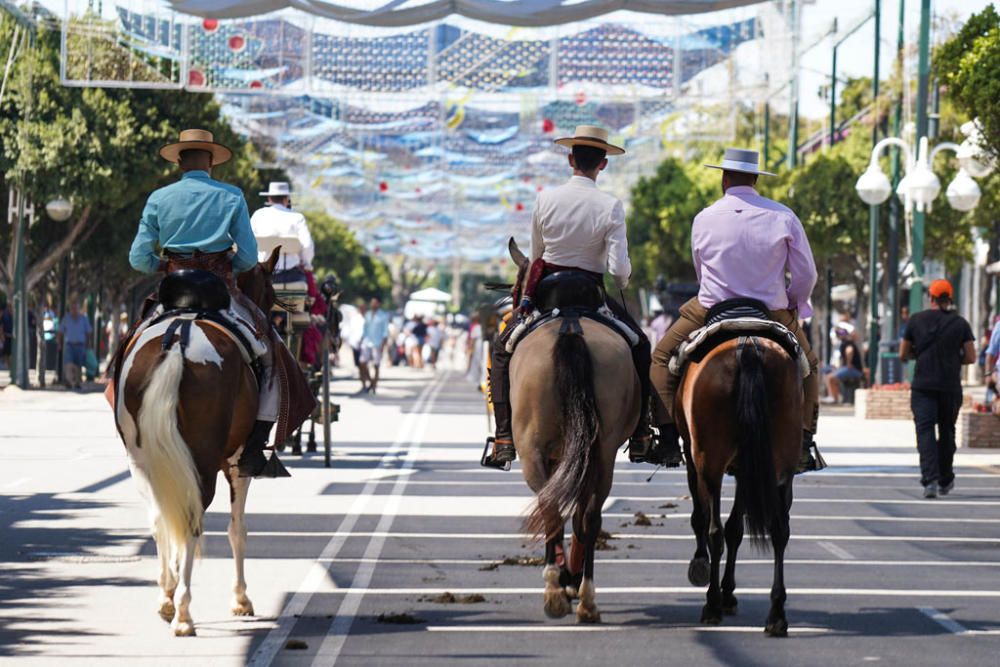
744	244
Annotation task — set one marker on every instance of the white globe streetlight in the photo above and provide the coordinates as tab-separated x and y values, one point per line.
59	209
971	155
873	186
963	193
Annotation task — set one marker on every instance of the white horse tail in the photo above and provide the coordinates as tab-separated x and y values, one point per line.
171	471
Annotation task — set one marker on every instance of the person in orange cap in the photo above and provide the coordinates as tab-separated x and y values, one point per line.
941	342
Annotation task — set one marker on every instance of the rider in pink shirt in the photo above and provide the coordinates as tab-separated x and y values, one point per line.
743	246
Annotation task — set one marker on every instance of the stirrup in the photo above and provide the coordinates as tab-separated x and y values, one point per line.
499	459
810	460
640	453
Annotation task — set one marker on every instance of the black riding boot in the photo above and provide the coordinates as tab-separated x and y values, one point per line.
810	459
499	451
664	449
252	461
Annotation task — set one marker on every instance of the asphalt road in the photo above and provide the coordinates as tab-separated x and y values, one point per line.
875	573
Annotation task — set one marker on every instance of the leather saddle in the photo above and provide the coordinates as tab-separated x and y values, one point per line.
193	289
577	290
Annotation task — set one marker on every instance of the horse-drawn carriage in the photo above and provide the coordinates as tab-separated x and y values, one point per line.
303	325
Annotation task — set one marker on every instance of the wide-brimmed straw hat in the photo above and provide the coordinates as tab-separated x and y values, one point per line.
590	135
742	160
277	189
196	140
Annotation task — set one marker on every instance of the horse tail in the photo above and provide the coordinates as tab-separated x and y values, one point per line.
574	480
756	485
171	470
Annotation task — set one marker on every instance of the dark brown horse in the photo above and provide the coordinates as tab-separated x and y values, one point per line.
743	402
184	417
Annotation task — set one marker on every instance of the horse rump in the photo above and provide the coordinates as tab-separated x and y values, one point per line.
756	483
574	479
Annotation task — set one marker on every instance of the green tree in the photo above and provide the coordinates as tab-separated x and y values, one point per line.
360	275
969	65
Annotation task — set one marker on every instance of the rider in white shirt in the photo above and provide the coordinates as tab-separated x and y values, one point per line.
278	219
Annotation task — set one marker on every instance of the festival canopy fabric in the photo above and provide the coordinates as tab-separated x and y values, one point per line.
395	13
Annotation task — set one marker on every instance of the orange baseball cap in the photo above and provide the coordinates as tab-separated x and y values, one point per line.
940	288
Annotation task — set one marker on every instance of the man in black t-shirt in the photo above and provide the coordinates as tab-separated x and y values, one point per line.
941	342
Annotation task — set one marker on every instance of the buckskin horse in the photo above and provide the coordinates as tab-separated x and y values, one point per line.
574	400
185	408
741	401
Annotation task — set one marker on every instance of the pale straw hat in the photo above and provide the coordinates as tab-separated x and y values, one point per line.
591	135
200	140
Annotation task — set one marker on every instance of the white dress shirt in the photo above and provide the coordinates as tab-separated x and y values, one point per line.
577	225
278	220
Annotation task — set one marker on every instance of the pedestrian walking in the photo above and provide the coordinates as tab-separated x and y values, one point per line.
74	332
940	341
373	343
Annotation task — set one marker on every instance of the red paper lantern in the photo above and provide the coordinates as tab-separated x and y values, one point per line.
210	25
383	186
413	242
548	126
377	250
519	206
256	84
237	43
539	188
196	79
418	191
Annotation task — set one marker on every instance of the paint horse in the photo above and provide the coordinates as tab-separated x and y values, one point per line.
574	400
185	404
740	408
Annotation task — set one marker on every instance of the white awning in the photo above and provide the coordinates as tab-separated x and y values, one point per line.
396	13
431	294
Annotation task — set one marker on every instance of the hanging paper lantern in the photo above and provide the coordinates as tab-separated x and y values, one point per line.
377	250
383	186
418	191
237	43
256	84
196	79
539	188
548	126
210	25
519	207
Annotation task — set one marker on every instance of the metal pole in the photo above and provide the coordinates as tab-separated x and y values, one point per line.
767	134
873	218
827	342
327	444
833	96
793	113
19	370
63	304
892	270
917	286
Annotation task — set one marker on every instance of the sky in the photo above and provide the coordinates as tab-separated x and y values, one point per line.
855	56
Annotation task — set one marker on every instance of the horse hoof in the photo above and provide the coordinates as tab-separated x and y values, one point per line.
711	616
699	571
242	608
167	610
572	593
185	629
585	615
556	604
778	628
729	605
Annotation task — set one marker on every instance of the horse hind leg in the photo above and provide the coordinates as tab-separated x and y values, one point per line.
168	572
587	525
242	606
183	625
712	611
699	569
777	624
557	603
734	537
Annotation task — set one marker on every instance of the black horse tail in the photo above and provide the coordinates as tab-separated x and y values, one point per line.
574	480
756	483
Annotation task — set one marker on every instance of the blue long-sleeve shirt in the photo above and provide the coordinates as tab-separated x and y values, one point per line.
195	213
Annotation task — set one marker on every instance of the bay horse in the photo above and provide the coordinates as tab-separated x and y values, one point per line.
742	401
574	401
184	417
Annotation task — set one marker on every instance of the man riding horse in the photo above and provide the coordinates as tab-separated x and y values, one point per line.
574	227
742	246
196	222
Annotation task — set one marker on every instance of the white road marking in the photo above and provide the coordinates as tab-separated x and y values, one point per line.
319	572
863	501
683	590
606	628
683	561
945	621
835	550
16	483
618	536
337	634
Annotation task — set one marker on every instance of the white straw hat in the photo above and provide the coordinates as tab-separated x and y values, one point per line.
742	160
590	135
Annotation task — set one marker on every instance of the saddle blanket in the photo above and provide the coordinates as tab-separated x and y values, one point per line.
537	318
736	326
